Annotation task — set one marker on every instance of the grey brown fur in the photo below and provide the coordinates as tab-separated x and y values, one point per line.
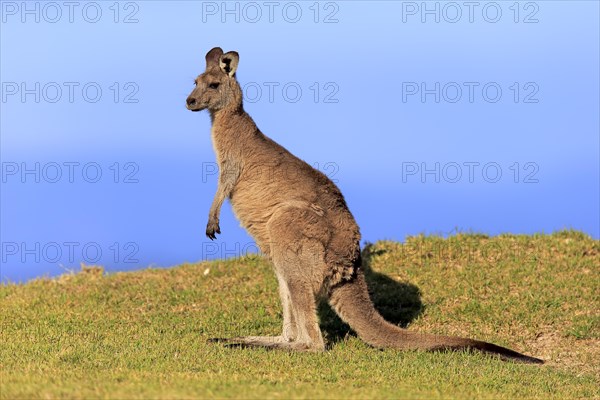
300	220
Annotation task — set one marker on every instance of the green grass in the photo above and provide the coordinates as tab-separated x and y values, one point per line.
144	334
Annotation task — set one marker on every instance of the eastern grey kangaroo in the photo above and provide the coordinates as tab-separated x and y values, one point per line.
300	220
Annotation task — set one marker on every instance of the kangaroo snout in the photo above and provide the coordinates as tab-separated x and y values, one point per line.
192	104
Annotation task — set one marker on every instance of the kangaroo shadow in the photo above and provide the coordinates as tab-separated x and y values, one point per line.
398	302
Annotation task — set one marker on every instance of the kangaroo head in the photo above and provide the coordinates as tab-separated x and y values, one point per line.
217	88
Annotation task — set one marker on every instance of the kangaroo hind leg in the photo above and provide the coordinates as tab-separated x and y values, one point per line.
297	256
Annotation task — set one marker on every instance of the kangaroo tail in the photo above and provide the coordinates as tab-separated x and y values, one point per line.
351	301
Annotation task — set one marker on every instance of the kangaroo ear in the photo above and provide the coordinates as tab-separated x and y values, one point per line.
229	62
213	57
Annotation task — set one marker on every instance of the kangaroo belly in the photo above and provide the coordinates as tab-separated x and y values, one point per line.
254	210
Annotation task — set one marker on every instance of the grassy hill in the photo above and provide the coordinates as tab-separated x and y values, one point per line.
144	334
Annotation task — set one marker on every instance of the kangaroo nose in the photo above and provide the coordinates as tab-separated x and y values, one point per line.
191	101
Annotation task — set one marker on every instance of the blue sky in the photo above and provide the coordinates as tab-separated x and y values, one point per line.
430	120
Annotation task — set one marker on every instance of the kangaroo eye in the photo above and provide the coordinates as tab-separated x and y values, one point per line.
213	85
